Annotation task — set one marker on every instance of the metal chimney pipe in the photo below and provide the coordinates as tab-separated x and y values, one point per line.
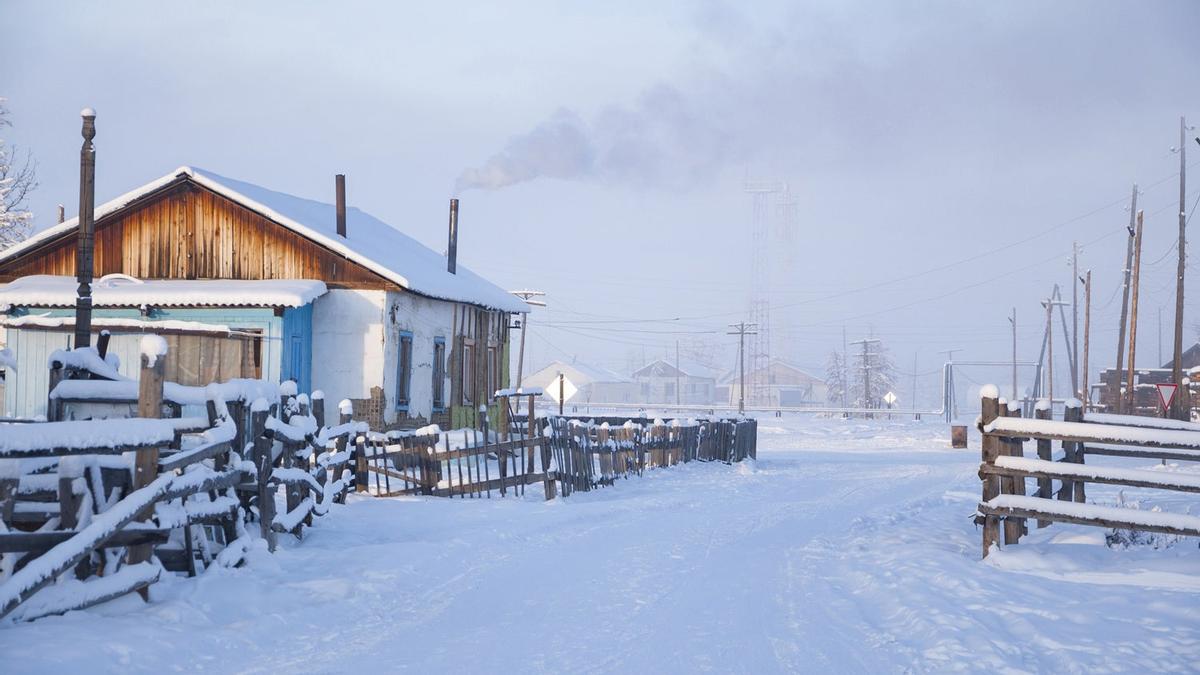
62	213
340	182
84	269
452	247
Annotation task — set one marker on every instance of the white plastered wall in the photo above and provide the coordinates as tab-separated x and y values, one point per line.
426	319
348	345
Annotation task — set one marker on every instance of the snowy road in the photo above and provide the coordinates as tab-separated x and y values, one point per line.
847	548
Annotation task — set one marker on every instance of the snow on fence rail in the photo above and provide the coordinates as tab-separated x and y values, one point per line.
588	454
119	501
1004	469
564	454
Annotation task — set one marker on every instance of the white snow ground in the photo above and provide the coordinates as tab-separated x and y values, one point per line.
849	547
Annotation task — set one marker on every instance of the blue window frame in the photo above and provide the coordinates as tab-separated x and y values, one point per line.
439	374
404	371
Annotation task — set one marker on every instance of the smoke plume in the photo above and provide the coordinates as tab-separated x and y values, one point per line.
657	141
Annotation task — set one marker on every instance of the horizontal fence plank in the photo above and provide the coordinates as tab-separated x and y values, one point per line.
1039	468
15	542
1083	432
1140	453
1014	506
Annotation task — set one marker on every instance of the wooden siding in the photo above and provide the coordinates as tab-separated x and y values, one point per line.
188	232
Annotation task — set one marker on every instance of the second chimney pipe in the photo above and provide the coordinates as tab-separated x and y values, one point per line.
452	247
340	180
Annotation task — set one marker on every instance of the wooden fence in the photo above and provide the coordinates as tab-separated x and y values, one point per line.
70	501
1005	468
564	454
589	454
465	463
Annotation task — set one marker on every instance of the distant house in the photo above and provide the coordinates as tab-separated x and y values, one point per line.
787	385
249	282
1146	397
594	384
688	384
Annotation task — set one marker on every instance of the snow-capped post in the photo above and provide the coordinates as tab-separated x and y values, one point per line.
1012	485
452	245
340	204
102	344
1073	412
360	463
345	415
263	463
1041	411
989	410
150	396
84	241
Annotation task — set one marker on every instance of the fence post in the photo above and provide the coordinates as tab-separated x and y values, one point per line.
263	463
345	416
1045	485
1074	413
989	411
360	463
145	468
1013	527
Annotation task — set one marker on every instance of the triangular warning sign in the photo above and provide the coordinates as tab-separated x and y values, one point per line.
1166	394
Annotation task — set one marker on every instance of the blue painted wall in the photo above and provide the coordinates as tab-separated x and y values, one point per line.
26	389
296	355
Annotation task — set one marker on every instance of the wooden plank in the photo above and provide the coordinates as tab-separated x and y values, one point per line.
1060	471
1141	453
1084	432
37	542
1119	523
145	465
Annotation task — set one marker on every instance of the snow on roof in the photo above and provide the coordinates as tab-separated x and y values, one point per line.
665	368
119	290
119	325
370	242
579	373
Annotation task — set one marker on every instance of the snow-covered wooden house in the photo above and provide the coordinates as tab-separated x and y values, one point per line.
249	282
592	384
782	384
687	383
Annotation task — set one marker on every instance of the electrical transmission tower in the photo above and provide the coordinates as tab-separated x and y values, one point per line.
760	288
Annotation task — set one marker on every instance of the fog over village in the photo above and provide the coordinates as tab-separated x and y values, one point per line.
834	336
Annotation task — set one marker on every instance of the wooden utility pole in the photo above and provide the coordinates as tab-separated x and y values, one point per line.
1013	321
845	381
1075	281
1178	410
1117	398
528	297
867	366
678	397
84	268
561	387
1050	303
1087	334
1133	312
742	330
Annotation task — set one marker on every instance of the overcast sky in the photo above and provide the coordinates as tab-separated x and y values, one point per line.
943	155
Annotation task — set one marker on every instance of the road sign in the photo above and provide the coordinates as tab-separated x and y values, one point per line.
889	398
568	389
1166	394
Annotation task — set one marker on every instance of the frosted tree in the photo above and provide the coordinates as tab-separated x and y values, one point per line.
872	375
835	378
17	179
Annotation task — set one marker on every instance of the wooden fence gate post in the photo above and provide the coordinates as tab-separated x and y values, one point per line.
1045	485
989	411
145	469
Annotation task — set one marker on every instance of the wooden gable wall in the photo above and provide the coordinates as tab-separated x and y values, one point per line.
186	231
